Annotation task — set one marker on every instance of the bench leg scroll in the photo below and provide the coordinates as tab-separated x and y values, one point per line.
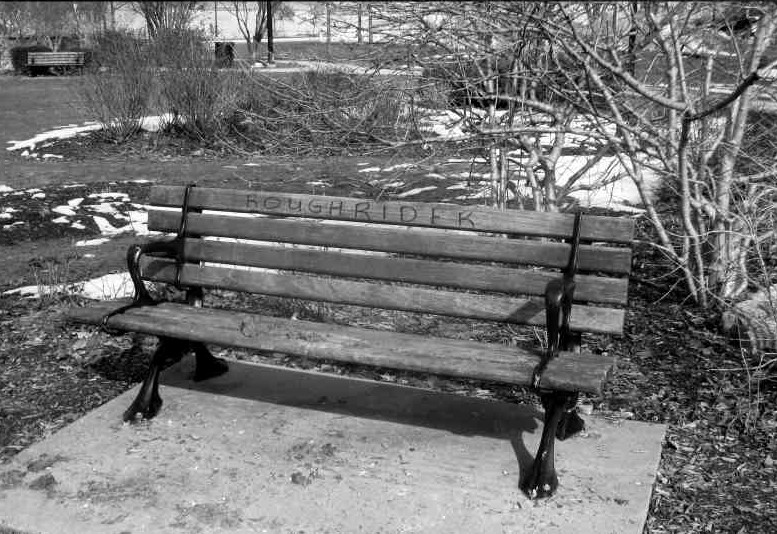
560	420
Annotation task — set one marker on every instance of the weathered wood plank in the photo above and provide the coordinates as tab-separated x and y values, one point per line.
478	277
476	218
448	357
394	297
421	241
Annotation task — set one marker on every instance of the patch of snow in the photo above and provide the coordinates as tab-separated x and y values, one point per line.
39	196
78	226
68	186
107	287
92	242
107	228
60	133
61	220
5	216
103	207
154	123
435	176
370	169
416	191
5	189
251	164
63	210
319	183
394	185
455	187
139	222
398	166
362	164
140	181
55	156
33	190
75	202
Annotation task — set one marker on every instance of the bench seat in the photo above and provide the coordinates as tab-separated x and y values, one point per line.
442	356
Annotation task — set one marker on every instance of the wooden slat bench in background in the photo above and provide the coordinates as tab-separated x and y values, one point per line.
63	60
473	262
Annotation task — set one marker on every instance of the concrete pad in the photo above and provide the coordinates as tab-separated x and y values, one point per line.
277	450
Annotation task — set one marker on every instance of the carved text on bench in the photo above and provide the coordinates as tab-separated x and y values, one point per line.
362	210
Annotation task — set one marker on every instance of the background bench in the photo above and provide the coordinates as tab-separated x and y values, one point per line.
61	60
461	261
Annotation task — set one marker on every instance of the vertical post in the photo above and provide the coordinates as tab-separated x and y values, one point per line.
328	26
216	18
359	37
369	23
270	44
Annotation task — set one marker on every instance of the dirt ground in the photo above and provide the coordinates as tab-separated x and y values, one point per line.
717	472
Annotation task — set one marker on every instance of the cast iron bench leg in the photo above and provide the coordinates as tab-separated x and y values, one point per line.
208	366
543	481
148	402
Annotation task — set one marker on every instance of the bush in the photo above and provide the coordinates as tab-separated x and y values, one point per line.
321	110
118	88
19	59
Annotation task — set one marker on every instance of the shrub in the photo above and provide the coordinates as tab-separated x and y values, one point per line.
321	110
118	89
19	59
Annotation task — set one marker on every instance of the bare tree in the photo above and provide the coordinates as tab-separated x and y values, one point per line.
251	17
682	115
162	16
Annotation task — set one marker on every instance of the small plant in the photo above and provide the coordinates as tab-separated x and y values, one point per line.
51	276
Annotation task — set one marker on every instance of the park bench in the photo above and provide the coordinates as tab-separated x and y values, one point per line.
61	60
568	273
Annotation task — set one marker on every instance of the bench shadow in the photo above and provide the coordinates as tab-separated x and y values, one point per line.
468	416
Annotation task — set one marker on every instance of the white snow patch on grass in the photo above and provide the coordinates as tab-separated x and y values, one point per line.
370	169
60	133
107	287
5	189
61	220
152	123
64	210
92	242
416	191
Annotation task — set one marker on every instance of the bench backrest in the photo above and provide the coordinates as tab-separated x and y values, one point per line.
463	261
55	58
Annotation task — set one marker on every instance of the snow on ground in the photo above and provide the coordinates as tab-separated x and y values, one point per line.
151	124
107	287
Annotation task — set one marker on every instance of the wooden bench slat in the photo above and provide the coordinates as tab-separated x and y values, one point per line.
421	241
476	218
478	277
395	297
468	359
54	59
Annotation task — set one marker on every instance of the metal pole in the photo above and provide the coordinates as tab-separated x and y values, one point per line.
270	46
